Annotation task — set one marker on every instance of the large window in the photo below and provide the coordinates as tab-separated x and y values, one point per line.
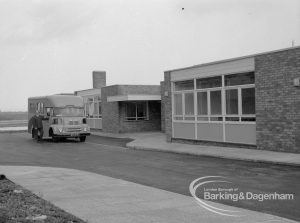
136	111
240	97
92	107
221	98
184	105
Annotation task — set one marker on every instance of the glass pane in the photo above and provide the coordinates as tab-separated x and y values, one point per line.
96	109
100	109
189	103
215	103
202	103
69	111
239	79
32	107
232	102
232	119
189	118
141	109
86	105
216	118
130	109
202	118
248	119
91	109
248	101
184	85
178	118
97	98
178	104
209	82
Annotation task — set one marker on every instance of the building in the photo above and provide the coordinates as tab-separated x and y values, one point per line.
252	100
92	100
122	108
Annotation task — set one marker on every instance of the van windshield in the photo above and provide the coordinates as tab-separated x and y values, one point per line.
68	111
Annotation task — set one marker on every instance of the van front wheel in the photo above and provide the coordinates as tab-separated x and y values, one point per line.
82	138
54	139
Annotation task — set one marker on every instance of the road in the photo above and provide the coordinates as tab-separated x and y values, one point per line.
168	171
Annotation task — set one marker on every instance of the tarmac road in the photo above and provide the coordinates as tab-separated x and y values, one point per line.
168	171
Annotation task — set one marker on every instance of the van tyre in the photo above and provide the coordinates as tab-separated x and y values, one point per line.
82	138
54	139
32	133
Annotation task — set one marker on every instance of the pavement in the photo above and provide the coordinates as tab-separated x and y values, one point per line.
13	128
157	141
97	198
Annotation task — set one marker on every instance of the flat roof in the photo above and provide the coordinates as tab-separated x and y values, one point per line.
232	59
131	85
134	97
60	100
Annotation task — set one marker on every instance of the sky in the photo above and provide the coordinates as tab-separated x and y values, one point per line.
53	46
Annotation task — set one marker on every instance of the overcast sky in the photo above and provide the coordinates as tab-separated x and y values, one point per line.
52	46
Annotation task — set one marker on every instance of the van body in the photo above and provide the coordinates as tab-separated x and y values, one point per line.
62	116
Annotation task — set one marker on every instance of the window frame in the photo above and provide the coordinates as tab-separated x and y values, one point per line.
90	100
196	118
136	118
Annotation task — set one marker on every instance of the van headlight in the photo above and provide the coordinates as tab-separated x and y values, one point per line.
59	129
86	128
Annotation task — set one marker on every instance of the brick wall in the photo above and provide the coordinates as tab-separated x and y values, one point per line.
162	93
166	101
278	101
99	79
138	89
152	124
110	110
113	113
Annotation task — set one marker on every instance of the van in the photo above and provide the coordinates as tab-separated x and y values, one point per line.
62	117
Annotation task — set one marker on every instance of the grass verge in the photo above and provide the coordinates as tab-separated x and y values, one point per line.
20	205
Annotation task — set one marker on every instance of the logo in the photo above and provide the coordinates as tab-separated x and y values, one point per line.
218	188
200	182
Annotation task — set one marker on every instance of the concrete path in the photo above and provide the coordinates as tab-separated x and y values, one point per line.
13	128
157	141
98	198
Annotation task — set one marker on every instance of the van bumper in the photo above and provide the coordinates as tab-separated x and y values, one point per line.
72	135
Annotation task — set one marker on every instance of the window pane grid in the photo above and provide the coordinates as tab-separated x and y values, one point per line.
184	85
225	98
136	111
